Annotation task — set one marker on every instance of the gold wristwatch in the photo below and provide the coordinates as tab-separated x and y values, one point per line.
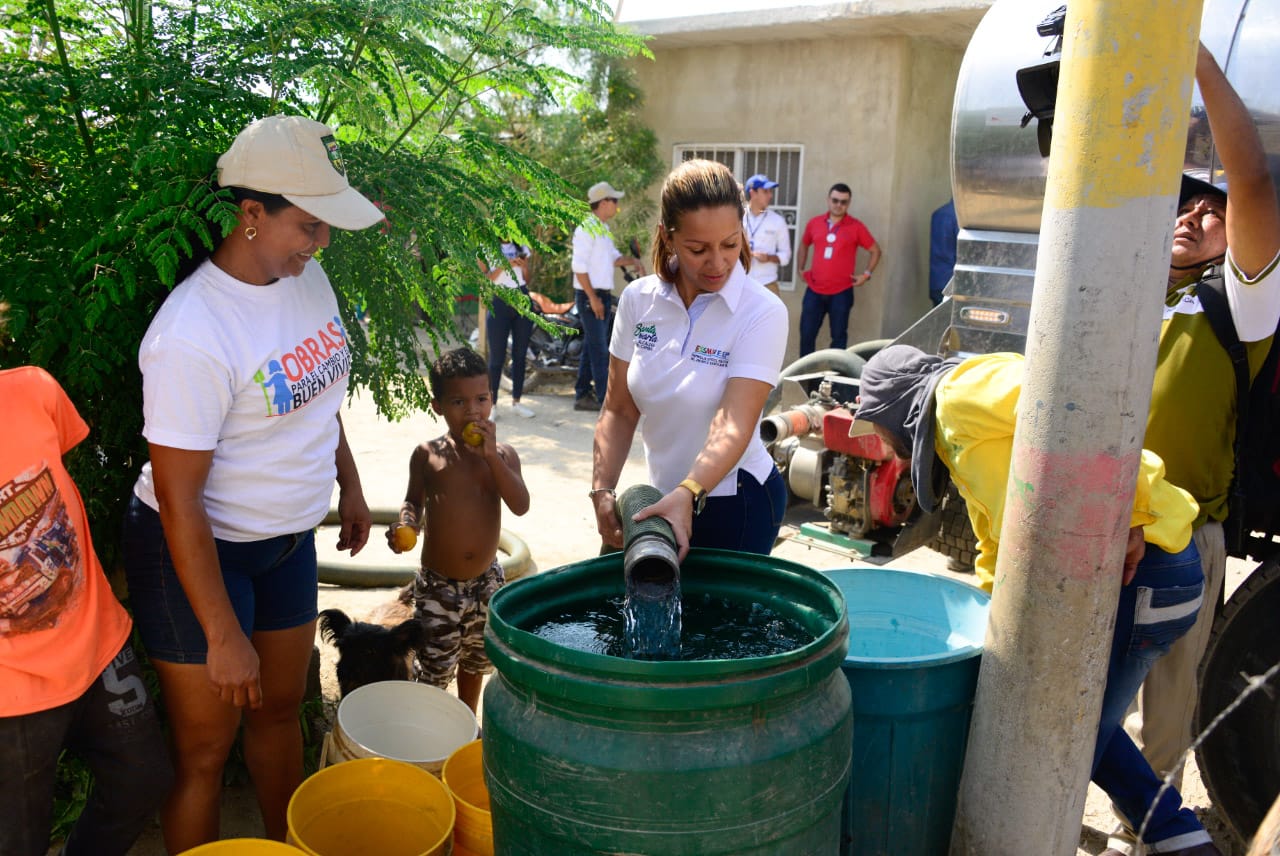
699	494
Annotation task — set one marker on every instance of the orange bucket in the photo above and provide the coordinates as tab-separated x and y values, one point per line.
464	775
371	805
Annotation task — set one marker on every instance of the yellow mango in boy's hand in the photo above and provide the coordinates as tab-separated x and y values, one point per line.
405	537
471	435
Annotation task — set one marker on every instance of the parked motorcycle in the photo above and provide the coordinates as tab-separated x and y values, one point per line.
554	356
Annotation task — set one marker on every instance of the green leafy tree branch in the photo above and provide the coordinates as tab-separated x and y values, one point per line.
111	119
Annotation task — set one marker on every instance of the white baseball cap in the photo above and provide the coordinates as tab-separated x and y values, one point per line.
603	190
297	158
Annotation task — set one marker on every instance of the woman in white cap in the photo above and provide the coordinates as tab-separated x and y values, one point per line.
244	371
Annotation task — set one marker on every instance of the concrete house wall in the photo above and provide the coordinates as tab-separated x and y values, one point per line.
869	98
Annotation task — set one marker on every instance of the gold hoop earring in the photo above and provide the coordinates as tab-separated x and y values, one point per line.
250	232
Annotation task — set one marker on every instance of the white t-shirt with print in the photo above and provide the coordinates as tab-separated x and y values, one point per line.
681	361
256	374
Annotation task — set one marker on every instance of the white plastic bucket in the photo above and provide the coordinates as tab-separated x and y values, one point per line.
403	720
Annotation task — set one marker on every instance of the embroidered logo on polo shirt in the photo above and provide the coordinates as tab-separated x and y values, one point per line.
710	356
646	336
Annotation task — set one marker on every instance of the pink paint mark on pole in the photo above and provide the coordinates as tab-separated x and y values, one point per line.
1069	508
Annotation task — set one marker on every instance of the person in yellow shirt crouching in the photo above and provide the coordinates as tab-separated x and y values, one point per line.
961	412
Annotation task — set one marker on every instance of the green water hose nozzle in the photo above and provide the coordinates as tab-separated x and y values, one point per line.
649	563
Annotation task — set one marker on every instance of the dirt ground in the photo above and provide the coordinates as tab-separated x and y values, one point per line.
555	452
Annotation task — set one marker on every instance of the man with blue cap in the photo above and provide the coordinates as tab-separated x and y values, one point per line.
767	235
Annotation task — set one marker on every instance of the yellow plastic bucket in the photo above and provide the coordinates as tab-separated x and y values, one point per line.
464	776
242	847
402	720
371	805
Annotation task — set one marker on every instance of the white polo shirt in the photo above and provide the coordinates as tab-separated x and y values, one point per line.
767	233
594	254
680	362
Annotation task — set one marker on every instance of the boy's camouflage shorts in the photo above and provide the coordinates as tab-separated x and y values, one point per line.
454	612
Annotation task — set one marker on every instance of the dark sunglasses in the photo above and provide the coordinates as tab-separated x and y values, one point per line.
844	201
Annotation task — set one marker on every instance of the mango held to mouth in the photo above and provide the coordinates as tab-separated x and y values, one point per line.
471	435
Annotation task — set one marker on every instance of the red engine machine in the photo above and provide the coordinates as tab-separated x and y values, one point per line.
844	469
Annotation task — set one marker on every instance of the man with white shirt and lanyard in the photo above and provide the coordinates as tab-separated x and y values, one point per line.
594	258
768	238
833	277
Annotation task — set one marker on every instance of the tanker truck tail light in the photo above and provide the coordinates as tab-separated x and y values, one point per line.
991	317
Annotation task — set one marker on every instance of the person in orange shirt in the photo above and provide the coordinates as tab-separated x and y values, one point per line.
69	679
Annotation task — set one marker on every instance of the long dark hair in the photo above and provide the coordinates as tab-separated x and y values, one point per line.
693	185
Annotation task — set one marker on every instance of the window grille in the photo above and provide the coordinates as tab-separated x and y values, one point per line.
782	163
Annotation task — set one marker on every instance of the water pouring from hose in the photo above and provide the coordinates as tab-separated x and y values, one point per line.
651	571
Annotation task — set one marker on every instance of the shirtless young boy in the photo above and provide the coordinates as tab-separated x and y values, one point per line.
455	484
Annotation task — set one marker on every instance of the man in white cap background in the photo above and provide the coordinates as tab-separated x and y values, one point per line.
767	234
594	258
1192	420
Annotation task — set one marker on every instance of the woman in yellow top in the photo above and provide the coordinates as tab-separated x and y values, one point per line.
963	412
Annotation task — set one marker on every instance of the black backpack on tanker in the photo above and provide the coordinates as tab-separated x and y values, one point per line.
1254	501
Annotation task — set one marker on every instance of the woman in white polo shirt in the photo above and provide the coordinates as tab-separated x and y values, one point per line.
696	349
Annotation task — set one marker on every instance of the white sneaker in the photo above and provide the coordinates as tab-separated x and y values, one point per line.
520	410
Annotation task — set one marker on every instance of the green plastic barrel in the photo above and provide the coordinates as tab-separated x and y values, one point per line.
588	753
915	643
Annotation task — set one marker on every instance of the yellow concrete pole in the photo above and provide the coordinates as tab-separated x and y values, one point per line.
1118	139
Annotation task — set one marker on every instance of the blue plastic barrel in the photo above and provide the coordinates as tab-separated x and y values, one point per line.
915	642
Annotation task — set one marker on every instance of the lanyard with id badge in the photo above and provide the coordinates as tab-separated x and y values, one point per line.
831	240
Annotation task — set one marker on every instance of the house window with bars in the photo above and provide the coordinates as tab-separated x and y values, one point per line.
782	163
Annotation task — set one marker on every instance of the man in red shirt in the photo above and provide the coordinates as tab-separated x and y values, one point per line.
834	276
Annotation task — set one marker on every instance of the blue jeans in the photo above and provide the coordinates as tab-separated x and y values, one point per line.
814	307
594	364
271	585
748	521
1155	610
113	727
505	322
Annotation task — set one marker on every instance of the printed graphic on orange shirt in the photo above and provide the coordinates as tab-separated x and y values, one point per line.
297	377
40	559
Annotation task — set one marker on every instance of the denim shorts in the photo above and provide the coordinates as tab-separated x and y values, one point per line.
272	585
